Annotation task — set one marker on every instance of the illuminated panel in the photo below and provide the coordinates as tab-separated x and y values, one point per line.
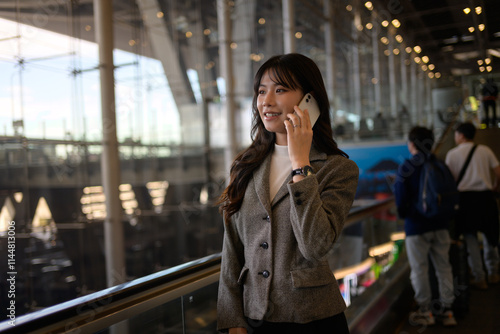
6	215
356	269
157	191
381	249
94	201
127	196
43	216
398	236
18	197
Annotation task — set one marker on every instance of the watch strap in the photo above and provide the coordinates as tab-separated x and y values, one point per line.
298	171
305	171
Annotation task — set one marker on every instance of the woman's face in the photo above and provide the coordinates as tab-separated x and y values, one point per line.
274	102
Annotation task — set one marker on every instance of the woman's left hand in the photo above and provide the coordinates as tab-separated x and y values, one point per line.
299	135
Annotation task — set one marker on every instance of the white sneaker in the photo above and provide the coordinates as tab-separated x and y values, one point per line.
447	318
422	318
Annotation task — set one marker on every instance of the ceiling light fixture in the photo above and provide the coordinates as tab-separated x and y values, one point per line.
396	23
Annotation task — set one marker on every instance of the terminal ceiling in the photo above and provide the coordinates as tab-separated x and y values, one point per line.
439	27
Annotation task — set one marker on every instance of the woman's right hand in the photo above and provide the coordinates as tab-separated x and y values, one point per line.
238	330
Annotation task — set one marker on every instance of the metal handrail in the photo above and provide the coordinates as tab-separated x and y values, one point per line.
359	213
99	310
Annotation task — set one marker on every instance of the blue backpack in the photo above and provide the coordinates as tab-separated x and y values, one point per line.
438	194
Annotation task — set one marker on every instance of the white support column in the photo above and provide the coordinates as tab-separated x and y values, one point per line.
226	71
392	75
430	107
242	30
420	89
355	67
404	78
110	163
414	112
198	49
376	65
289	26
404	117
330	54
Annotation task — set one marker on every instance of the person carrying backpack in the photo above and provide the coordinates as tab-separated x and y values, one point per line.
426	227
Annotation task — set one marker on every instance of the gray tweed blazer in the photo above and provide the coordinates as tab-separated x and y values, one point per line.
273	257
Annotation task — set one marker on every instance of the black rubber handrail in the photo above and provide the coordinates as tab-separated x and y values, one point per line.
66	310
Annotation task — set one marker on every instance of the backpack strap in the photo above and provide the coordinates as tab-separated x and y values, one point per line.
466	164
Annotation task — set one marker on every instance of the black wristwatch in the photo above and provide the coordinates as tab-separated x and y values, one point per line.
306	171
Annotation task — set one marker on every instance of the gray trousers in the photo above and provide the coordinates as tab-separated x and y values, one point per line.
490	254
434	245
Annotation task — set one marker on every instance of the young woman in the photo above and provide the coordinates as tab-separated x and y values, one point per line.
285	206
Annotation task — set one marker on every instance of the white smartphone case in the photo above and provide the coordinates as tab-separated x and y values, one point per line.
309	102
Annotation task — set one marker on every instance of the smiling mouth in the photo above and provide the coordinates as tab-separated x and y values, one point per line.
271	114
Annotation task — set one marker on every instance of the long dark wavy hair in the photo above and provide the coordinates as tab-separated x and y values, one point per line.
293	71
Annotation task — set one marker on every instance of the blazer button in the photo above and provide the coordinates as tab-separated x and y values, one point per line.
265	274
264	245
267	218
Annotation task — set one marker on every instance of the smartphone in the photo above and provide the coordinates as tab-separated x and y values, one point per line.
309	102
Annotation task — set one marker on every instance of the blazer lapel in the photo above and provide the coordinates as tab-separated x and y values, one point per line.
261	184
283	191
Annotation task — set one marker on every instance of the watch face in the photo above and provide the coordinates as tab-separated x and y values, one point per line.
308	170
